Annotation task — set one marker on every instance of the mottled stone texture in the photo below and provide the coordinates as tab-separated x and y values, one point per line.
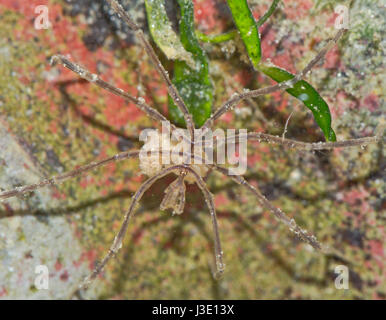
51	121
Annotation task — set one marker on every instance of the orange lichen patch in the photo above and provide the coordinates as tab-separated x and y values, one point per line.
286	59
85	181
296	10
255	157
259	11
56	194
120	114
53	127
228	117
63	31
242	77
207	16
3	292
356	196
331	20
90	256
64	276
157	90
341	103
283	105
220	200
58	265
332	60
276	96
268	45
377	250
138	235
371	102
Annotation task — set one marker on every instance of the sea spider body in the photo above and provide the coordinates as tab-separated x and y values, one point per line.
185	164
165	150
162	151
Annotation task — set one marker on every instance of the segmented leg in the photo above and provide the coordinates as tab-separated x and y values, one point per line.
236	98
68	175
220	266
85	74
279	214
117	244
257	136
157	64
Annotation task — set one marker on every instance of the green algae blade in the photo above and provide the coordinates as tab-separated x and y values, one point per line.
269	13
193	84
302	90
219	38
163	34
246	24
306	93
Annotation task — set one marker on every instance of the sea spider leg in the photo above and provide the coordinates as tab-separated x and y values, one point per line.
85	74
117	244
68	175
279	214
72	174
236	98
220	266
157	64
258	136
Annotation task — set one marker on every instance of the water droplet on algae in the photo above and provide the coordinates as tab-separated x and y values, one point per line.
303	97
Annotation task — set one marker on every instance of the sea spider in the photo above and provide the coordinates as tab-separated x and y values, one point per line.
185	171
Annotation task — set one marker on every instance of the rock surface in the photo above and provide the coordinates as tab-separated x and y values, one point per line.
51	122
